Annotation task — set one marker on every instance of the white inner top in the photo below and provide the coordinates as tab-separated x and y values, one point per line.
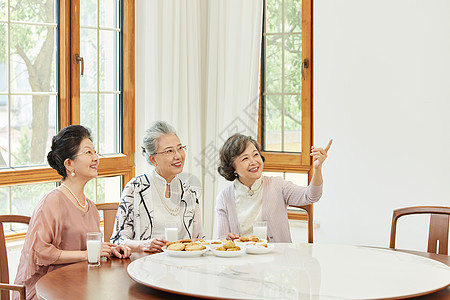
248	205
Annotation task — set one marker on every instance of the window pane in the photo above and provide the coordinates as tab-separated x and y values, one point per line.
88	13
109	62
273	122
3	131
88	114
33	11
33	46
109	13
104	189
292	64
273	64
25	197
292	123
109	189
297	178
33	124
292	16
3	10
109	132
4	207
88	49
273	16
3	58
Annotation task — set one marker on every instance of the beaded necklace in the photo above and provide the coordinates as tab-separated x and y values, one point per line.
76	198
173	212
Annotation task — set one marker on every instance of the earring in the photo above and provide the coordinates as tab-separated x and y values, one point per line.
235	174
73	173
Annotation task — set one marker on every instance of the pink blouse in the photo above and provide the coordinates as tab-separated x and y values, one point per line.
277	195
57	224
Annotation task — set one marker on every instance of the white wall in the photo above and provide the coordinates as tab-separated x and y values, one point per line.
382	92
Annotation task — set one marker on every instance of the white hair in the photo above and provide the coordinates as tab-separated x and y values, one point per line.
152	134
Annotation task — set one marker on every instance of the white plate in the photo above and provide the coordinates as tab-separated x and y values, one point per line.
184	253
229	253
259	249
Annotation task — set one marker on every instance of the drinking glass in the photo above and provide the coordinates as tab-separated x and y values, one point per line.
94	246
171	231
260	230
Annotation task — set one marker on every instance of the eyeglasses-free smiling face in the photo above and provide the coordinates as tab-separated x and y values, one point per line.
249	165
169	157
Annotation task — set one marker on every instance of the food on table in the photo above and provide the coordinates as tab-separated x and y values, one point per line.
194	247
176	247
202	241
252	238
185	245
228	246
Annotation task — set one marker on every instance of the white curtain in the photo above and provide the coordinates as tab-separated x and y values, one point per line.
197	67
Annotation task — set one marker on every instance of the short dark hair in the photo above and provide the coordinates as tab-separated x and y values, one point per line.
234	146
66	144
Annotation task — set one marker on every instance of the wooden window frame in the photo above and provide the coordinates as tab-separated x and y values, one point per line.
69	100
297	162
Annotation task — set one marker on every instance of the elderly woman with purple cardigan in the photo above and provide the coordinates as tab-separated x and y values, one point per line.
253	197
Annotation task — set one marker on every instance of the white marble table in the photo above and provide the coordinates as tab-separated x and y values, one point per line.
295	271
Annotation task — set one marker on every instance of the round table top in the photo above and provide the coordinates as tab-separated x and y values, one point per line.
295	269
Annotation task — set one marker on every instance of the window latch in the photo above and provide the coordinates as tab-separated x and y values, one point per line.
305	65
79	59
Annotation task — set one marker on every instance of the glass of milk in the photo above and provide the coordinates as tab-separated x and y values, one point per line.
171	231
94	246
260	230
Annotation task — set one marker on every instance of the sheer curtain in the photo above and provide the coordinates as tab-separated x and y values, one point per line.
197	67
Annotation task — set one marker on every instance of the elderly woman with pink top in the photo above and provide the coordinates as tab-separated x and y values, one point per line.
253	197
56	235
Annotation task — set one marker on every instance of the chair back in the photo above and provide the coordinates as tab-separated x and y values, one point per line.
439	226
309	212
5	288
109	217
4	271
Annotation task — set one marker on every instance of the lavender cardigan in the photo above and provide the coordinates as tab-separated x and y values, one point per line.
277	195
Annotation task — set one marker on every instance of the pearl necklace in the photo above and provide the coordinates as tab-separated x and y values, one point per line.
173	212
76	198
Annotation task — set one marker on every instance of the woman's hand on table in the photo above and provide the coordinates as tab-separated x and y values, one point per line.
109	249
232	236
154	245
105	250
121	251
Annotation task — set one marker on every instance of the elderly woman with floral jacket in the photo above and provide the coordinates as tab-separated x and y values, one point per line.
153	199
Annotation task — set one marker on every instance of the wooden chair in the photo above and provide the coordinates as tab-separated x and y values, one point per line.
5	288
109	217
4	271
439	226
309	212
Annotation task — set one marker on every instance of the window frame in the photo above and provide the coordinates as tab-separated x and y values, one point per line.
69	98
288	161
